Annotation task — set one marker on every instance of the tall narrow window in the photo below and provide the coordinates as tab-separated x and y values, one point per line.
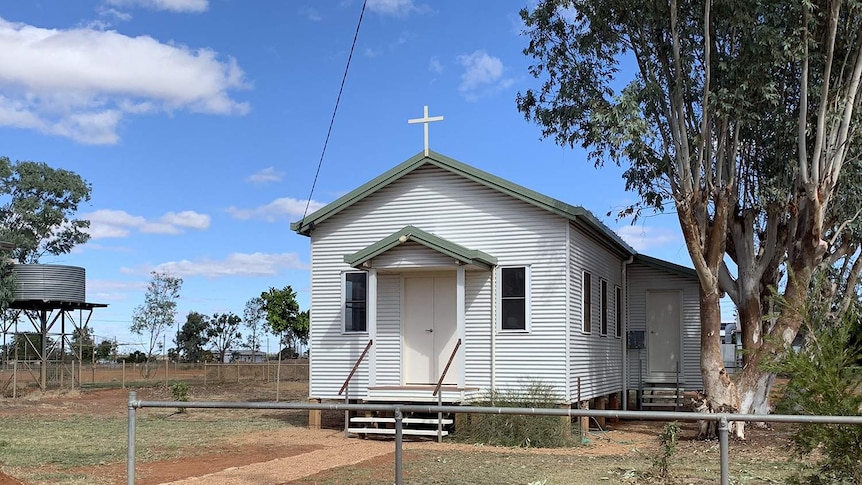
603	303
514	298
587	306
355	302
618	313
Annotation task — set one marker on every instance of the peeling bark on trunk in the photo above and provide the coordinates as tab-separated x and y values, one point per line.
718	386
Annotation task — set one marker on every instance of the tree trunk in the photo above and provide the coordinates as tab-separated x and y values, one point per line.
719	388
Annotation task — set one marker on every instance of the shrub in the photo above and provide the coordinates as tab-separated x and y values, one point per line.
180	392
517	430
666	449
824	380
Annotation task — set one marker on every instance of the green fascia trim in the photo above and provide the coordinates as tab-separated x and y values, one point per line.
574	213
666	265
411	233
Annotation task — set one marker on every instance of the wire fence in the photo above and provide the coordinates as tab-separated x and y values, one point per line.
398	411
17	377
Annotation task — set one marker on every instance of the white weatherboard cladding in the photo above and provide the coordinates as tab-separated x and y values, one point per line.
594	358
477	329
643	278
466	213
411	255
388	343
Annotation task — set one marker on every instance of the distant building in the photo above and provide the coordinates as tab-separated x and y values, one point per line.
249	356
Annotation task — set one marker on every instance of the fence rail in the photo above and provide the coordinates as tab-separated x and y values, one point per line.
398	410
19	375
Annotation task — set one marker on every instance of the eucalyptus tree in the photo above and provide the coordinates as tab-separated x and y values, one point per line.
739	115
254	316
223	333
157	314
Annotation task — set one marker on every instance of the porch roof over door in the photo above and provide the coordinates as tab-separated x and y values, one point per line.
411	233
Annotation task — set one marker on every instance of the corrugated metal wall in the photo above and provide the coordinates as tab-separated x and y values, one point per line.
595	358
643	277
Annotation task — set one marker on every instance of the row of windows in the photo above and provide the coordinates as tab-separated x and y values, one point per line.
587	306
514	301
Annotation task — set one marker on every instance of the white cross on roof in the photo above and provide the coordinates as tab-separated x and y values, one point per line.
425	120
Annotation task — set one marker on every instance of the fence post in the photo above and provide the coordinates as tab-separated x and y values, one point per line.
722	441
399	429
124	374
15	379
130	457
205	373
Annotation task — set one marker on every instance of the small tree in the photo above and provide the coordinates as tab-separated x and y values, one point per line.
81	345
283	315
254	318
223	333
157	314
824	380
105	350
192	338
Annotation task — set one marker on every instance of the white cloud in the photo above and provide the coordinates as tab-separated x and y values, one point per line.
371	53
483	74
642	238
282	208
170	5
269	174
435	66
397	8
190	219
235	264
80	83
108	223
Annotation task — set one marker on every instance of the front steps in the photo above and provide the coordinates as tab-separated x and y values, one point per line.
661	397
411	425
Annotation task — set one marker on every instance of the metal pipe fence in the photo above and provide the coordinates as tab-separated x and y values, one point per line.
399	410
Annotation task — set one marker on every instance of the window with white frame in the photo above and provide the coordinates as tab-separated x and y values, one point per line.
603	304
356	302
618	310
586	304
514	298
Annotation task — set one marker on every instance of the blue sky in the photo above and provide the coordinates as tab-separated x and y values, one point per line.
200	123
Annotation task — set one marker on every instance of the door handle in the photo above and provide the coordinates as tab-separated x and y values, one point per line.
429	330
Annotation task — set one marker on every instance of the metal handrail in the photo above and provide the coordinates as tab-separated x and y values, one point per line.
355	367
446	369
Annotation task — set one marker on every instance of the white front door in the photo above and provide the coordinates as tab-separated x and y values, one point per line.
429	326
663	323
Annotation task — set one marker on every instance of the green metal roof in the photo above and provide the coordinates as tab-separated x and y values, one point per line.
666	265
573	213
411	233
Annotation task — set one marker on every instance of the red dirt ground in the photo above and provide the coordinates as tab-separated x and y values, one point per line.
291	453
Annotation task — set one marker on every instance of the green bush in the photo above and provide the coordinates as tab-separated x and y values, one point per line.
667	441
180	392
517	430
824	380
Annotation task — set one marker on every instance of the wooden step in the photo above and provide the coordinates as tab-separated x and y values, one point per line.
372	419
405	431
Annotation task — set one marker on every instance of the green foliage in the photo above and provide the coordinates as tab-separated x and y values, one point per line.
283	316
824	380
37	208
180	392
667	441
157	313
191	340
254	317
223	333
136	357
518	430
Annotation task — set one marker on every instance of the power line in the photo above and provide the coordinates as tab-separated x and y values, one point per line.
334	111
